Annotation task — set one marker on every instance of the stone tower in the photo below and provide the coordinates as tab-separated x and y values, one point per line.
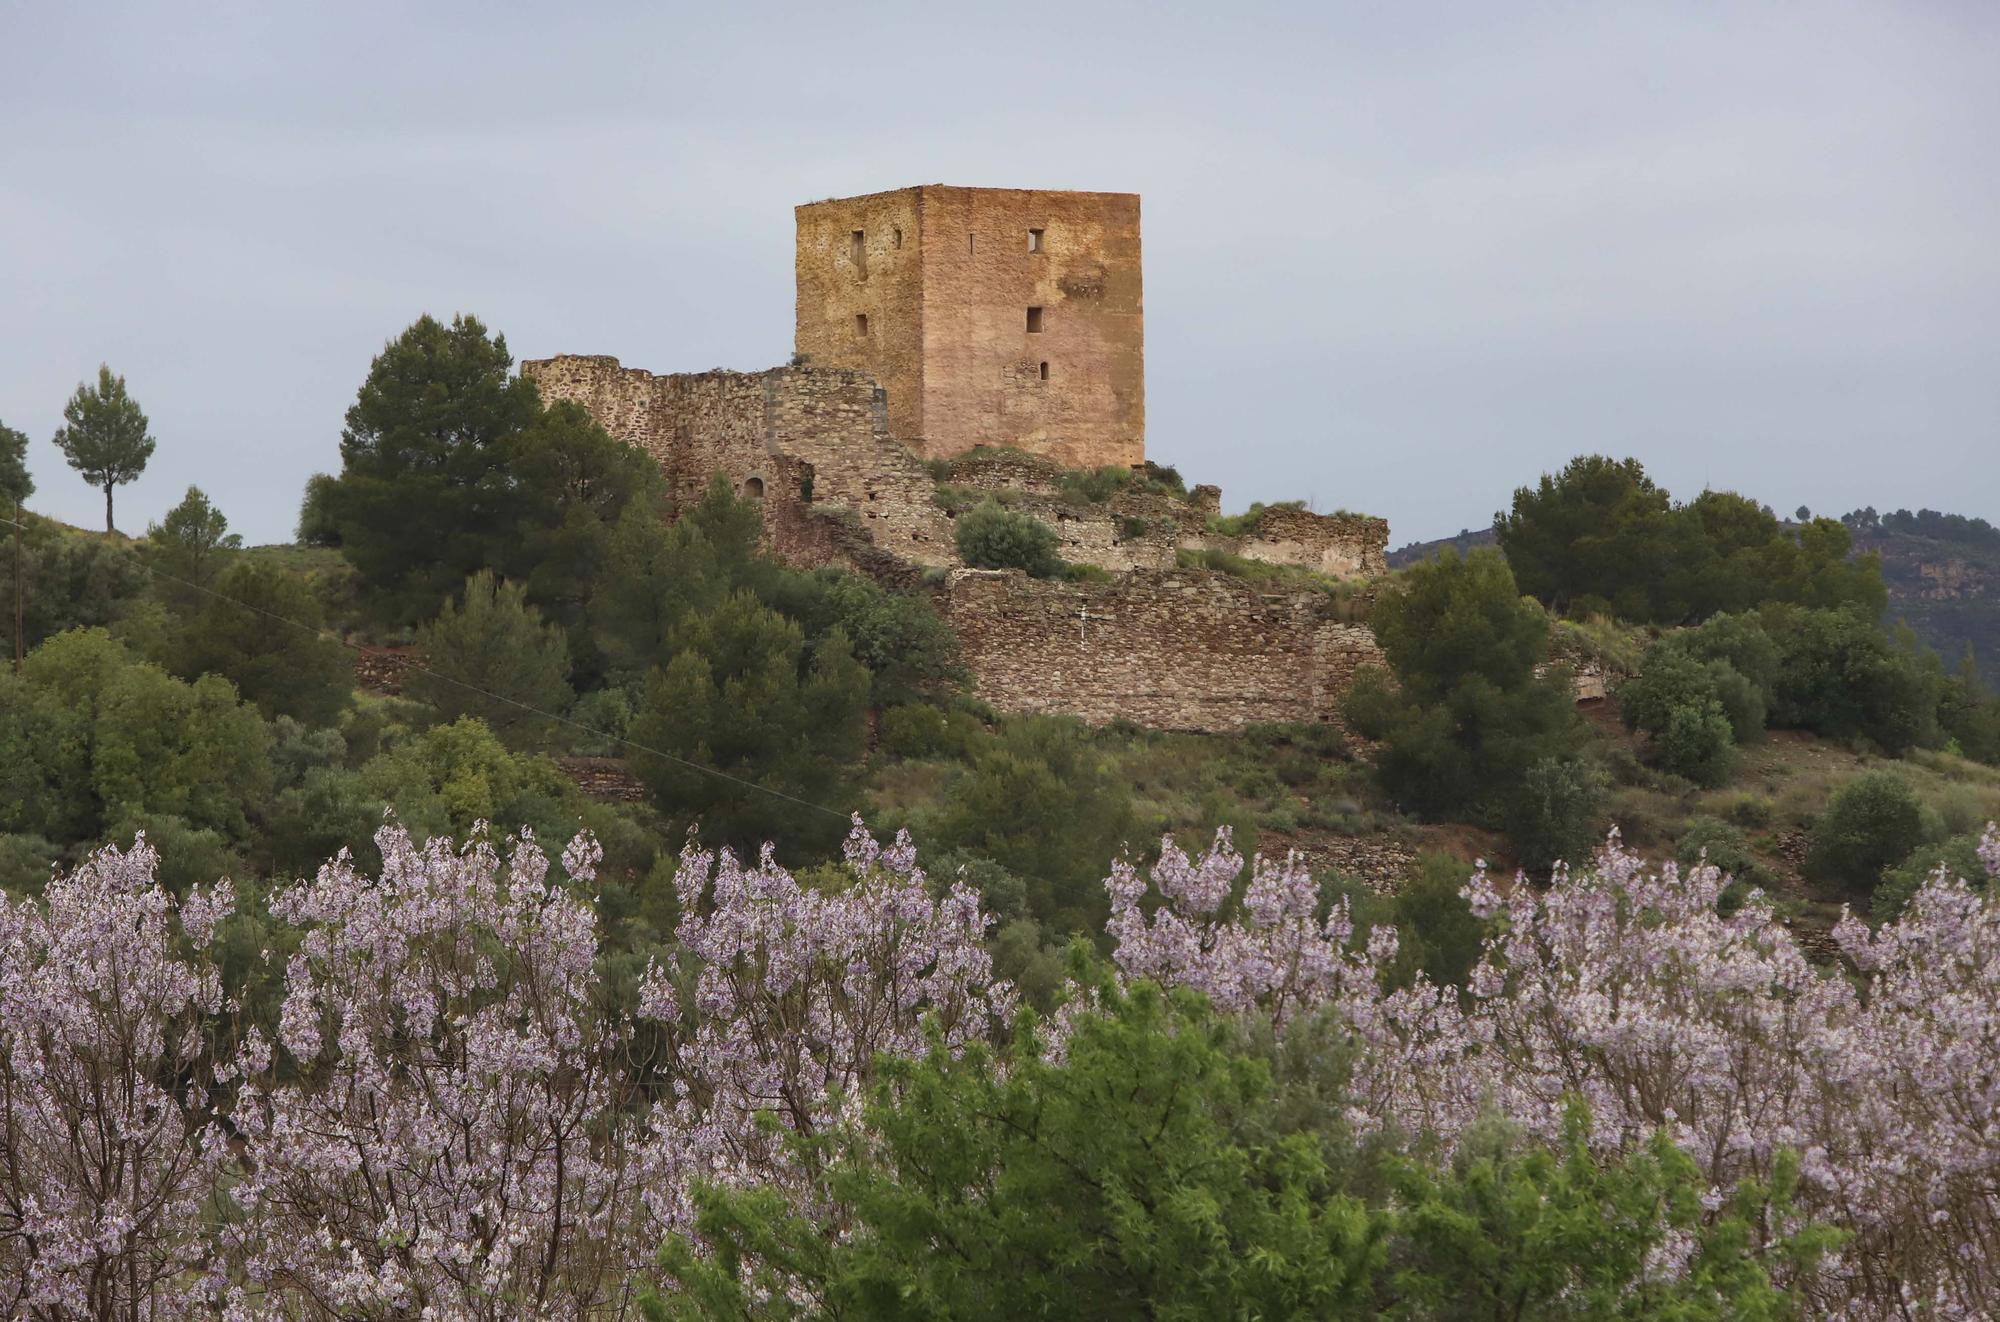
990	316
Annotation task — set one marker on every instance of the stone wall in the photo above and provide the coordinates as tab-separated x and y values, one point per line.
842	279
1343	545
945	278
1170	649
805	440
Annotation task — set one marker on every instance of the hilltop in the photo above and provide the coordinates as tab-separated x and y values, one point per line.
1942	571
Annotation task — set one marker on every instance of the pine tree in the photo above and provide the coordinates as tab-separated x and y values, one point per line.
105	438
15	483
495	658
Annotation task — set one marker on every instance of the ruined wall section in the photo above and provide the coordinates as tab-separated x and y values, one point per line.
805	441
1140	527
1173	650
1342	545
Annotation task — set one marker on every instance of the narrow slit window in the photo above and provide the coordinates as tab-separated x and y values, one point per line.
1034	240
1045	371
861	323
896	237
968	245
859	242
1034	321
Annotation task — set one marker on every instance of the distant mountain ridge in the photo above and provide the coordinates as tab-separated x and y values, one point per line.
1942	570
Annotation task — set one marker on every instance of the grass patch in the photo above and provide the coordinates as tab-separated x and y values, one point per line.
1237	525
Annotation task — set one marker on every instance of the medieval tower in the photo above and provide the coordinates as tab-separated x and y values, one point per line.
934	321
990	316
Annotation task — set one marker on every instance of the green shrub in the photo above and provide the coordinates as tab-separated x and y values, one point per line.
1726	847
992	537
1840	676
1436	929
1467	717
493	658
1959	856
1556	814
916	730
1094	486
1871	822
1750	810
1694	711
1045	803
26	862
606	718
1697	743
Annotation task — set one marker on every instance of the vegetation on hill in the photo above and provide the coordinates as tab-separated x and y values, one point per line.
1302	1030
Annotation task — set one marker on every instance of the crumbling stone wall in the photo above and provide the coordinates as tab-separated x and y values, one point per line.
1139	527
933	299
1343	545
804	440
1170	649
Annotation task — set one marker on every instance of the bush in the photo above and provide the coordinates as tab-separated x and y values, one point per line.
782	718
1044	803
25	863
1959	856
1556	814
606	716
1697	743
1871	822
913	731
493	658
1466	715
1725	846
1840	676
991	536
287	669
1437	931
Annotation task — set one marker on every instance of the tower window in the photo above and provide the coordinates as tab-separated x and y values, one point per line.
861	323
753	487
859	242
1034	240
1045	371
897	236
968	245
1034	321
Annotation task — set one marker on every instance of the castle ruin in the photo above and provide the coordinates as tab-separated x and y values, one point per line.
958	344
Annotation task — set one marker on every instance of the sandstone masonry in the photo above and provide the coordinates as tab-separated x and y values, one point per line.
991	316
1174	650
955	345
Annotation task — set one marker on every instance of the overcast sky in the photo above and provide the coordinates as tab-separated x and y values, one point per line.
1399	258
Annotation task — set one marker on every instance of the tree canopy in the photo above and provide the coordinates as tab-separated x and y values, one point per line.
105	436
1601	536
16	484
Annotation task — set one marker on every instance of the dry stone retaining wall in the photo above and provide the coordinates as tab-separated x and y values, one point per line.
1184	650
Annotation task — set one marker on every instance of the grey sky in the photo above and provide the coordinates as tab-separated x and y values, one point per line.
1399	258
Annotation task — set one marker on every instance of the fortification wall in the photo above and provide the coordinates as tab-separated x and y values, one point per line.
1343	545
1174	649
795	437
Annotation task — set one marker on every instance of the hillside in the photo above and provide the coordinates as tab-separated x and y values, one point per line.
1946	587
